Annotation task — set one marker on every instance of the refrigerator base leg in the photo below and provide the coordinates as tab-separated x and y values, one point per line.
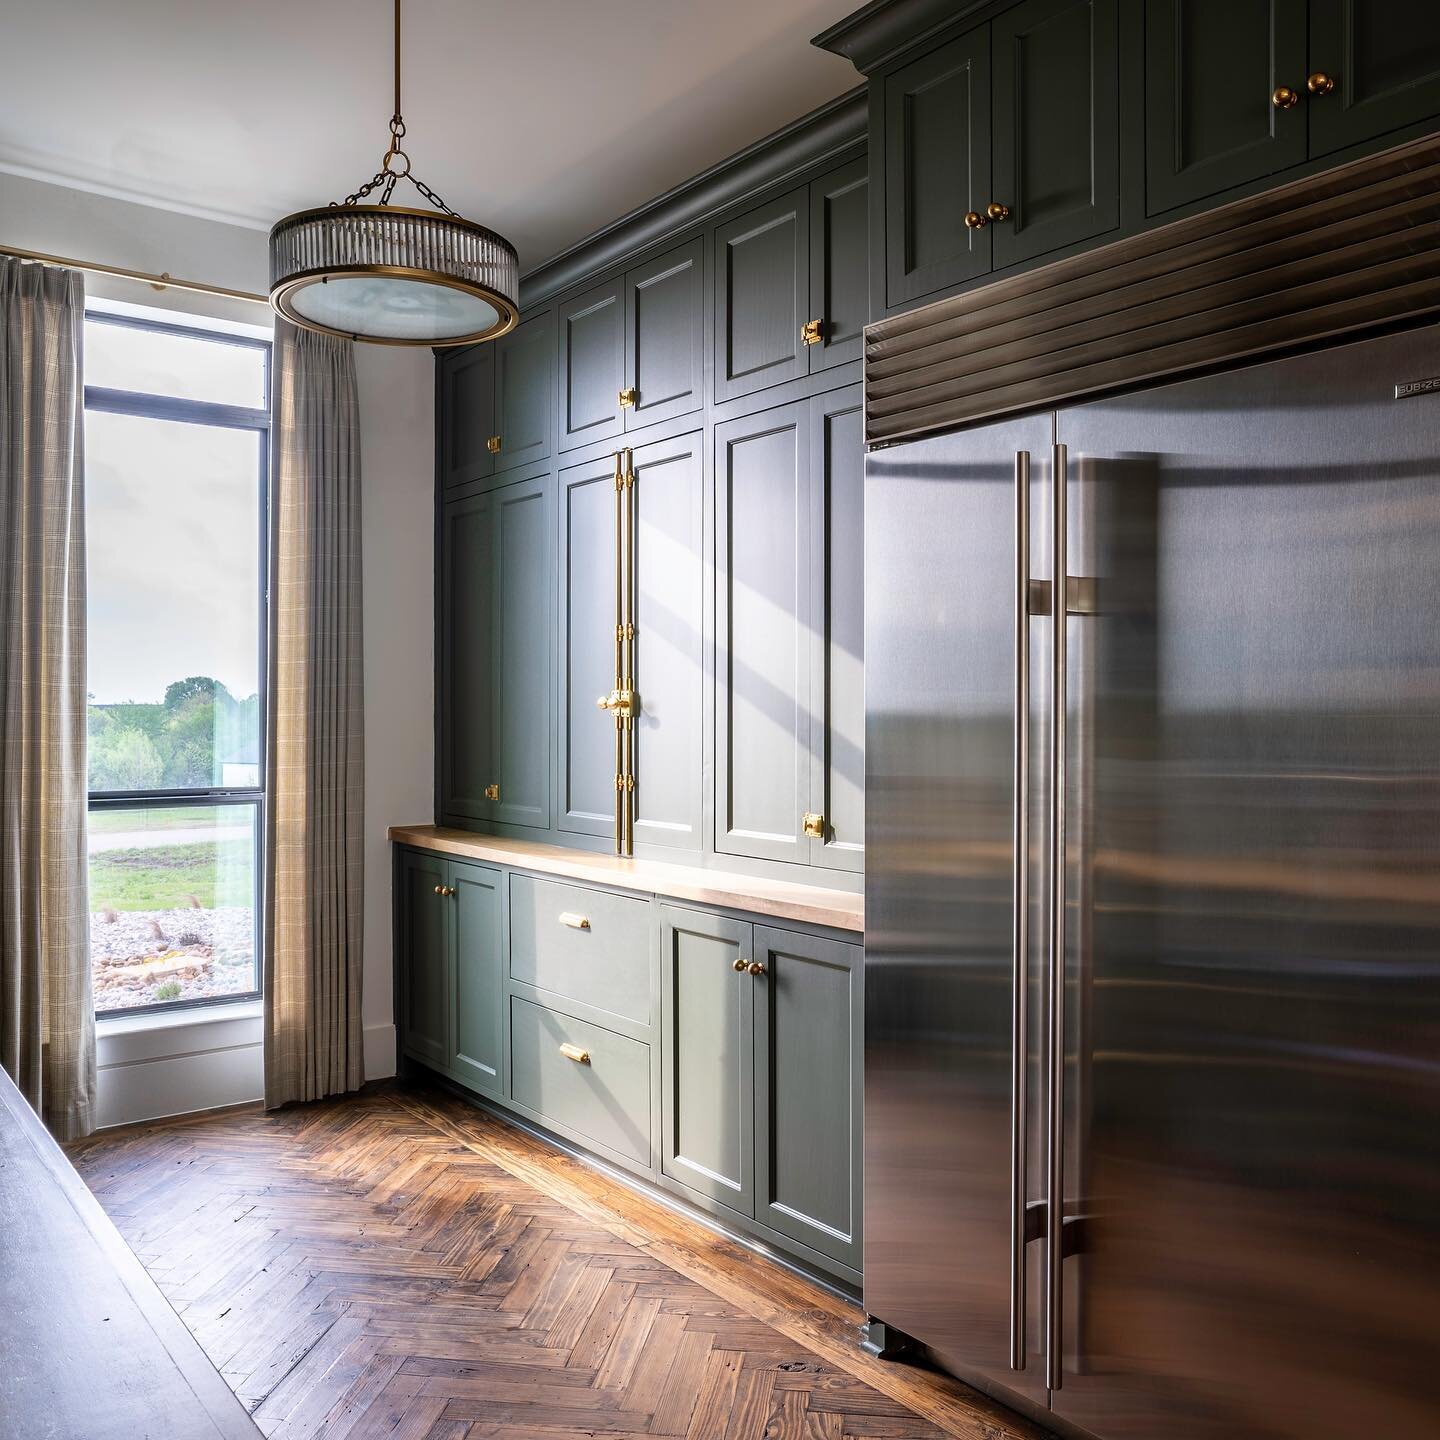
884	1341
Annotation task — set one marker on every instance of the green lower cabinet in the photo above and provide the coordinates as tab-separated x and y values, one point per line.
760	1054
475	1052
809	1041
422	936
707	1064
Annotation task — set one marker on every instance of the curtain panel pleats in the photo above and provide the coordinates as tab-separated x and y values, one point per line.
47	1017
315	726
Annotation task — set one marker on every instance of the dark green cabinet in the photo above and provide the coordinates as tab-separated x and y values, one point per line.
495	627
1212	69
466	399
1383	57
665	336
668	501
789	688
937	169
809	1039
451	957
422	941
761	1042
522	393
1001	145
590	372
792	284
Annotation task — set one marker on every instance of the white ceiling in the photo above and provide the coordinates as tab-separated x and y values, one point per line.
541	118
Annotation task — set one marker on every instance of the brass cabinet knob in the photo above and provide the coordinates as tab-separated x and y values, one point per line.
493	444
492	792
740	965
755	968
605	702
812	332
1284	98
812	825
1320	83
996	211
974	220
628	397
439	889
444	889
622	702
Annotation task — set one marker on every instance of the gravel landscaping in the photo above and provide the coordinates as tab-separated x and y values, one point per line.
143	957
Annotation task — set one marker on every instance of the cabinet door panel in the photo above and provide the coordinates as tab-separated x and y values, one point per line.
762	661
937	167
467	414
424	958
761	290
669	655
1384	56
521	683
1210	68
476	1021
587	647
808	1045
839	264
1056	126
707	1061
837	601
665	335
591	370
523	370
467	642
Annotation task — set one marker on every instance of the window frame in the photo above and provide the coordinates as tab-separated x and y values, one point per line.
105	400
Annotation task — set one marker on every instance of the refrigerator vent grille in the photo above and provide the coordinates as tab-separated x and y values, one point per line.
1350	249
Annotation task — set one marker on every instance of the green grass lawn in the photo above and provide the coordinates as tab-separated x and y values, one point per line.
177	817
164	877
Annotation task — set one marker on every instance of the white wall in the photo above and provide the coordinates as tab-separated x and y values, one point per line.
209	1058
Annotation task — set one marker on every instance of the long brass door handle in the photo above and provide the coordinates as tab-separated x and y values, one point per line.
575	1053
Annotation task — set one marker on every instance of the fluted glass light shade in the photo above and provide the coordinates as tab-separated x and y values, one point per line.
398	276
385	273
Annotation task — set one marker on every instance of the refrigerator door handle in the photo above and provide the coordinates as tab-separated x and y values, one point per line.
1020	911
1055	978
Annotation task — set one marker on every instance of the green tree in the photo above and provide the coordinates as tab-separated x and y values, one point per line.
180	693
124	758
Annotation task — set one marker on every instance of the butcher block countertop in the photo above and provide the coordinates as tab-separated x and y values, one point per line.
89	1345
778	899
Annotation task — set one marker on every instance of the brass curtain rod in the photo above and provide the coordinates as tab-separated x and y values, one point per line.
157	282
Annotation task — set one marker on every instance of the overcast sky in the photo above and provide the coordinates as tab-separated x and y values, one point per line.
172	519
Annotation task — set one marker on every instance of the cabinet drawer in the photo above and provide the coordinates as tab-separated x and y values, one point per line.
604	1096
603	962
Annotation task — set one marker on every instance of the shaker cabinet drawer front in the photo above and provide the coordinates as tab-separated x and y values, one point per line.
587	945
582	1077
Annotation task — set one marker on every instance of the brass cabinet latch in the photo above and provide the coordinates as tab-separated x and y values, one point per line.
628	397
620	703
812	332
493	444
813	825
492	792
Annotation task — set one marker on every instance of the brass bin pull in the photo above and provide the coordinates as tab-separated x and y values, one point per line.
575	1053
574	921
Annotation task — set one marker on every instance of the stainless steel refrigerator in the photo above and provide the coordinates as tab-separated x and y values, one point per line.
1153	902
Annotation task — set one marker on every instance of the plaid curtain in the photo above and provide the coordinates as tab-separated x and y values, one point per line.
315	727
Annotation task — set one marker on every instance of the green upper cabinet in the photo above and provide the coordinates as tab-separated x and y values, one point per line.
665	336
1056	135
792	284
789	654
466	399
422	937
1213	70
1001	145
466	646
523	366
590	365
476	1035
937	169
1383	60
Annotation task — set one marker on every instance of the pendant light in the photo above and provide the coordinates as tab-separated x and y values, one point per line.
389	274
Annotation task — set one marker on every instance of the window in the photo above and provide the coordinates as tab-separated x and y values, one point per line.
177	428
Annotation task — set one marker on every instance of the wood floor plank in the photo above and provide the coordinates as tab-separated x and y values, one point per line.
399	1264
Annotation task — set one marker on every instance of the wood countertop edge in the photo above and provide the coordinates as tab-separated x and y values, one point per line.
774	899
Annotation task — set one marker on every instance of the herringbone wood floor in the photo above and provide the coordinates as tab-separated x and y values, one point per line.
400	1264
